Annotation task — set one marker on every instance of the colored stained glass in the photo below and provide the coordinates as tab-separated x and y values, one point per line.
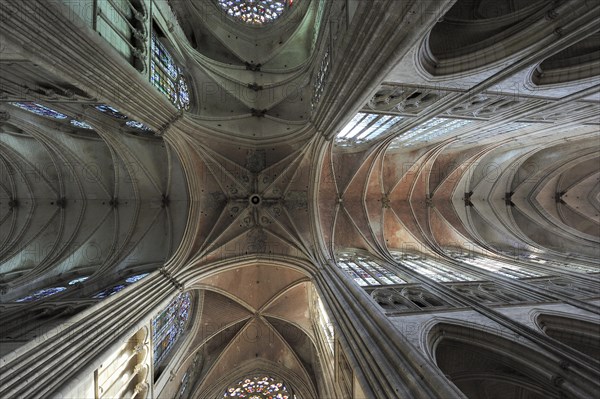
109	291
258	388
167	77
40	294
40	110
255	12
138	125
80	124
168	326
133	279
78	280
107	109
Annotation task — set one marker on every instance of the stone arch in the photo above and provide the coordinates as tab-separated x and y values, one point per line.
580	61
580	334
484	364
476	33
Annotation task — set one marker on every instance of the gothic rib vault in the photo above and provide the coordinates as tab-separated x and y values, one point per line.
350	198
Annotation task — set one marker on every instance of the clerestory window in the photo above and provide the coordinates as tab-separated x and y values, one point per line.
255	12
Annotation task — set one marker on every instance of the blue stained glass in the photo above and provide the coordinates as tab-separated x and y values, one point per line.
78	280
168	326
167	77
40	294
138	125
184	94
109	291
258	388
255	12
133	279
107	109
161	53
80	124
40	110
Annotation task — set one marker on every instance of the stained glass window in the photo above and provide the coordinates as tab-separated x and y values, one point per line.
366	272
78	280
109	291
133	279
365	127
431	268
119	287
40	294
40	110
255	12
107	109
80	124
167	77
259	388
168	326
138	125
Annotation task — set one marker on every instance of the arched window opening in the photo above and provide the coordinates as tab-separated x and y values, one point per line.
261	387
471	30
167	76
168	327
119	287
432	268
562	265
256	12
481	366
513	271
40	110
41	294
578	61
366	127
367	272
433	129
115	113
581	335
409	299
324	326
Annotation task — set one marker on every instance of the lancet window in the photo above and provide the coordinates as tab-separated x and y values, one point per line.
41	294
169	325
495	265
367	272
119	287
431	268
365	127
167	76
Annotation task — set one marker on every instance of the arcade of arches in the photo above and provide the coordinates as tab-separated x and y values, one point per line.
299	199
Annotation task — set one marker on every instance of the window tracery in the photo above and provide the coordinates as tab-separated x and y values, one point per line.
259	388
255	12
115	113
119	287
169	325
81	124
366	272
167	76
40	110
428	131
432	268
41	294
365	127
410	298
323	321
502	268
